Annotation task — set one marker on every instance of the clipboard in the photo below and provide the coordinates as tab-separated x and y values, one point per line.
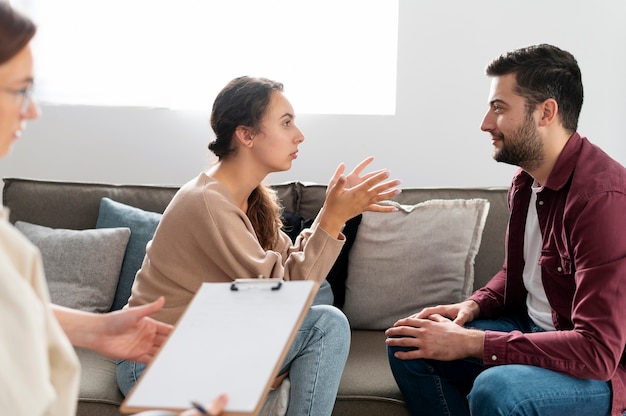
232	338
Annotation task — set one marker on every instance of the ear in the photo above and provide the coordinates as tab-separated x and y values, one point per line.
549	111
244	136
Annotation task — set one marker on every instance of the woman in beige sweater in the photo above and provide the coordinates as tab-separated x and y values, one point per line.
225	224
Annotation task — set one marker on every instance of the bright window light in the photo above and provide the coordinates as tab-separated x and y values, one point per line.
334	56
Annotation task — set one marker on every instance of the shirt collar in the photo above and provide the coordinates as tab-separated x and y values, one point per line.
565	164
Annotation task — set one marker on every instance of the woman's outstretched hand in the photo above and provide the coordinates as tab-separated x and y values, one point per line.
350	195
128	334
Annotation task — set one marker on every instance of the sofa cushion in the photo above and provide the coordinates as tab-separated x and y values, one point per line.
294	223
98	380
339	272
418	256
82	267
142	224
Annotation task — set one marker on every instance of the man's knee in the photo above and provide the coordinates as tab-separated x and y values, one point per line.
402	368
393	361
499	390
487	389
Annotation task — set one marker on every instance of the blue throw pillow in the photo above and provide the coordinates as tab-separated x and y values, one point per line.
142	226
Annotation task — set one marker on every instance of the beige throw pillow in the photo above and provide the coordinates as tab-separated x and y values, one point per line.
418	256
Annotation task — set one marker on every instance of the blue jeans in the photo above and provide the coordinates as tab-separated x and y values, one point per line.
467	387
315	360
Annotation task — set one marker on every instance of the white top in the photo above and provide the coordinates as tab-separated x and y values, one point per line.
537	303
39	369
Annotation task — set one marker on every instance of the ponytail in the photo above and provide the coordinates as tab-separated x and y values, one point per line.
264	214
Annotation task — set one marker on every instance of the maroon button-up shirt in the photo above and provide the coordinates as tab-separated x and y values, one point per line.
582	217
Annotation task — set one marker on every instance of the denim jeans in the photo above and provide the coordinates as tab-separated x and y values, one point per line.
467	387
315	360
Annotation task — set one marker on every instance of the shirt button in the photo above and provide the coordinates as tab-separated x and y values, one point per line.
559	269
494	357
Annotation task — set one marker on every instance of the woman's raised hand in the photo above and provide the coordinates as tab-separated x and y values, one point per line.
349	196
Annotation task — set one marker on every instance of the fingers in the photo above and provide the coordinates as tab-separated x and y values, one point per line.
374	181
381	192
401	336
390	193
149	308
404	337
372	178
430	310
462	318
362	165
438	318
144	311
410	336
408	322
157	339
409	355
381	208
163	331
145	358
350	195
337	186
338	172
217	406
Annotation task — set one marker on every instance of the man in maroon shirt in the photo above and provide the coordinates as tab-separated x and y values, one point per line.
546	335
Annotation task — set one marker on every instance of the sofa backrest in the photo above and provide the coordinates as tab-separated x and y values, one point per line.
309	199
75	205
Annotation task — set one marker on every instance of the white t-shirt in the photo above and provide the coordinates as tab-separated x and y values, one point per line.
39	370
537	303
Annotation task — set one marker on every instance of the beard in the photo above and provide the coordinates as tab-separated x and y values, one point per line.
523	147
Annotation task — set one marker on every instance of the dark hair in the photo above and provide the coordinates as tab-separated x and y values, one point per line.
243	102
544	71
16	30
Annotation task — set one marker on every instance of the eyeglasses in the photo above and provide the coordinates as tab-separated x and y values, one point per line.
25	95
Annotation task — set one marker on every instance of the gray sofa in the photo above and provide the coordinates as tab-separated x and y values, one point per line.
367	386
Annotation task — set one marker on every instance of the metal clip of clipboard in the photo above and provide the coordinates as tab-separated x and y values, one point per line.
260	283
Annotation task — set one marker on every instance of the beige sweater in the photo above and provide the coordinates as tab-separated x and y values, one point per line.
204	237
39	370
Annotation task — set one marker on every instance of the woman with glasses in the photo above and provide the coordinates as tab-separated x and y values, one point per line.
23	97
39	369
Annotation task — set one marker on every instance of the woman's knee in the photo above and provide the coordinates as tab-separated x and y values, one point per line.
332	324
328	317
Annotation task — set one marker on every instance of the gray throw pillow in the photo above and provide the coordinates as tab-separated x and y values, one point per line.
82	267
418	256
142	226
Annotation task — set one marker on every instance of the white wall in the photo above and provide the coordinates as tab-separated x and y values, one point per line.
433	140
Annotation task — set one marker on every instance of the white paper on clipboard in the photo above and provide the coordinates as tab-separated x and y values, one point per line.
231	339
